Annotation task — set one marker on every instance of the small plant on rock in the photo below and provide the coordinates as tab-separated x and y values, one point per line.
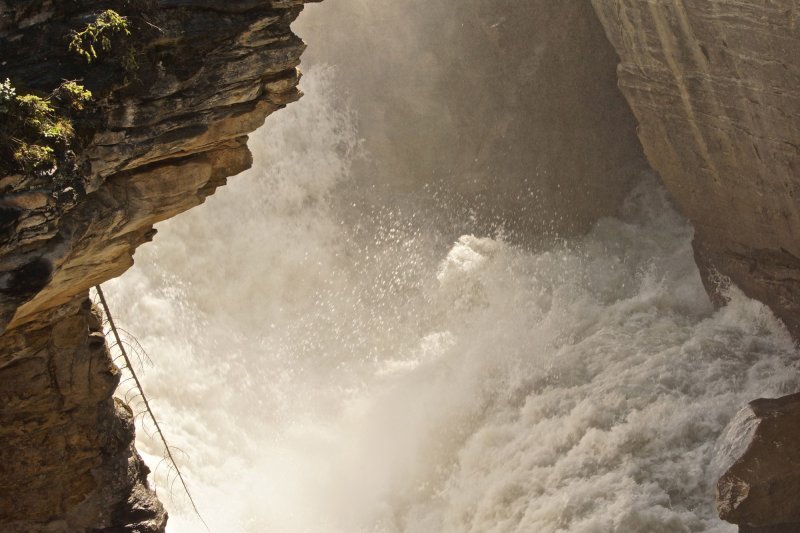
35	112
7	95
37	133
33	157
108	25
73	95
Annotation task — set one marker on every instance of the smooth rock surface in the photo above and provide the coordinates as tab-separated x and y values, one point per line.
715	87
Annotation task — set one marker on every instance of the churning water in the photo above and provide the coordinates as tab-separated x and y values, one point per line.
333	373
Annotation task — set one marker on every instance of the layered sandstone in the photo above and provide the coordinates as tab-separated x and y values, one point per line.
163	138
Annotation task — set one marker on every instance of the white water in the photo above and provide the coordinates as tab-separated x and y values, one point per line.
332	373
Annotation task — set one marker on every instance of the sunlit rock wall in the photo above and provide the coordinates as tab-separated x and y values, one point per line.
165	136
715	87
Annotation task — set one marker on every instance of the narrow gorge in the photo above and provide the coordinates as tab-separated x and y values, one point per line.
506	265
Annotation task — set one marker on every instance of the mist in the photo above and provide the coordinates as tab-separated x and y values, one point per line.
504	110
448	297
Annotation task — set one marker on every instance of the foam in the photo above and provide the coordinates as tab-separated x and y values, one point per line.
330	372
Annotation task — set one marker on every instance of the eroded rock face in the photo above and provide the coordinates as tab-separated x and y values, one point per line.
208	76
759	487
67	460
715	87
162	139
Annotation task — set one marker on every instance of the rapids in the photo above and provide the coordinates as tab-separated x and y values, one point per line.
332	368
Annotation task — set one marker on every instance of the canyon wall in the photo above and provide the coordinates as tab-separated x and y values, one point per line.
715	87
161	137
509	107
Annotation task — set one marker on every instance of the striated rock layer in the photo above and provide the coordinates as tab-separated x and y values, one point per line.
715	87
164	137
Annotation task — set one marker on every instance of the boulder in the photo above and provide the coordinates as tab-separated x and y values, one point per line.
761	461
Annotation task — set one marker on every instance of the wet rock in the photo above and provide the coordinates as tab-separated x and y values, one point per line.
761	480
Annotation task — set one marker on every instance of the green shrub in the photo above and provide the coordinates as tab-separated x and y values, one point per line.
35	111
107	25
73	95
37	133
34	157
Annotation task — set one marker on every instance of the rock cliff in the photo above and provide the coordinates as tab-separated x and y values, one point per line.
715	87
172	106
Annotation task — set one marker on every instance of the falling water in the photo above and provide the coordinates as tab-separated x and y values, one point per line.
328	367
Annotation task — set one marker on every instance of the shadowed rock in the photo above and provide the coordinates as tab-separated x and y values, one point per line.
761	483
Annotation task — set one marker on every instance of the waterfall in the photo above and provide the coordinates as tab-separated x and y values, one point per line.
332	365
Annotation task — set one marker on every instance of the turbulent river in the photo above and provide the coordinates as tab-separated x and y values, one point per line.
332	372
